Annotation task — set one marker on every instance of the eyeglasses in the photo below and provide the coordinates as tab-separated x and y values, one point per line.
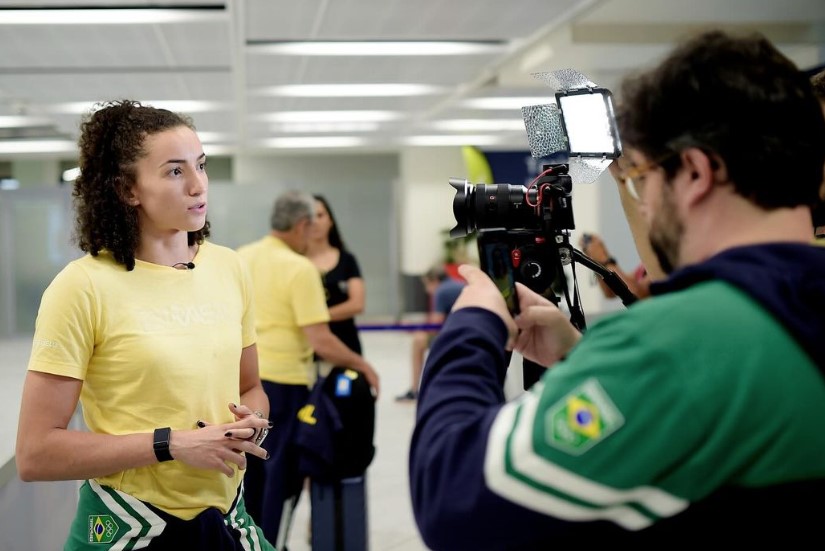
634	176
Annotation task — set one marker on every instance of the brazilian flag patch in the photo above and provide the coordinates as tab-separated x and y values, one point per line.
581	419
102	529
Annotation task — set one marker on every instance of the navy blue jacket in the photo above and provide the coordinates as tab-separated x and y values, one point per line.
462	392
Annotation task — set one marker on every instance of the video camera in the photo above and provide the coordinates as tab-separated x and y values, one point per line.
524	231
519	230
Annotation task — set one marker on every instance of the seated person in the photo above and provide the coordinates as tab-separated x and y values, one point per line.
443	292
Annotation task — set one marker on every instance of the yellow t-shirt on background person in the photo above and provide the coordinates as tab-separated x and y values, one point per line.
288	295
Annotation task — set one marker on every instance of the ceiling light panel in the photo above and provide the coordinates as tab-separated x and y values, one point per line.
505	103
13	147
260	104
330	116
181	106
484	125
24	122
123	16
311	142
69	87
452	140
324	127
348	90
376	48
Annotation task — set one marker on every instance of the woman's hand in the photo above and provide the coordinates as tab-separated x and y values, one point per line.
371	376
216	446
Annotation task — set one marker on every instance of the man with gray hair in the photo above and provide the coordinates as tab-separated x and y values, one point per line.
292	321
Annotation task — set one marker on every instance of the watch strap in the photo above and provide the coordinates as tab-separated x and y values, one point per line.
161	444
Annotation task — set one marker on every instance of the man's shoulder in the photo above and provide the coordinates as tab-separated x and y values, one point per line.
450	285
273	246
705	308
251	247
295	266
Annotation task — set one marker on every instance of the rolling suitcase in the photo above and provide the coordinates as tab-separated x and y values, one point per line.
339	515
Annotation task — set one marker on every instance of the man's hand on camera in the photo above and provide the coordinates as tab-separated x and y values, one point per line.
481	292
545	334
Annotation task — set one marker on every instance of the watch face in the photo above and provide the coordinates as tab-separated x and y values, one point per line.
161	444
162	437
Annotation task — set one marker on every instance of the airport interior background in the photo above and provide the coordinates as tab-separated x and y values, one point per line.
373	103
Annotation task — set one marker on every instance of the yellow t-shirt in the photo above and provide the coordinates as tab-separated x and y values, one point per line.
288	295
154	347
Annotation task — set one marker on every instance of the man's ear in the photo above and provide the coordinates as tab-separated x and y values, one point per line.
702	170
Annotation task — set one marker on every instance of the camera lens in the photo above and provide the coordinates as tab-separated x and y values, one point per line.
488	207
464	192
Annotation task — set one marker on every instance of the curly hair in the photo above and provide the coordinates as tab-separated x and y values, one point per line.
111	142
738	99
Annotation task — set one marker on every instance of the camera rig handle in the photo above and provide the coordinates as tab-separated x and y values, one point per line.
532	371
610	277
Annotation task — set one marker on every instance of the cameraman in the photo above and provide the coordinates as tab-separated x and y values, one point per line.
694	413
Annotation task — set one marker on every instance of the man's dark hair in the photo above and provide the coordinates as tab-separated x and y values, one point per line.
111	142
818	210
818	82
436	273
737	98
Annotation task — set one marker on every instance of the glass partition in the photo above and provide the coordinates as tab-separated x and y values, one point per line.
35	233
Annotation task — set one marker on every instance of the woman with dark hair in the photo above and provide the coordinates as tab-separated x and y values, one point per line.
160	355
341	275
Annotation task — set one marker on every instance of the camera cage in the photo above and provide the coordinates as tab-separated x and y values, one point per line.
540	214
546	245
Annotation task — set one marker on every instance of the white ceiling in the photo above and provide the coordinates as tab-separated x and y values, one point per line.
219	58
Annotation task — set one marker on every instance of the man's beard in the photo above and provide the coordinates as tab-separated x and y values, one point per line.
666	232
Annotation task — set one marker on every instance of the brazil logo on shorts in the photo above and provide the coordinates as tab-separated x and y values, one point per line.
581	419
102	529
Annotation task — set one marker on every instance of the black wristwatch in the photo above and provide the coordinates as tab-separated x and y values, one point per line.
161	444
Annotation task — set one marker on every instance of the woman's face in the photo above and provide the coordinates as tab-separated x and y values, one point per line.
171	185
322	223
